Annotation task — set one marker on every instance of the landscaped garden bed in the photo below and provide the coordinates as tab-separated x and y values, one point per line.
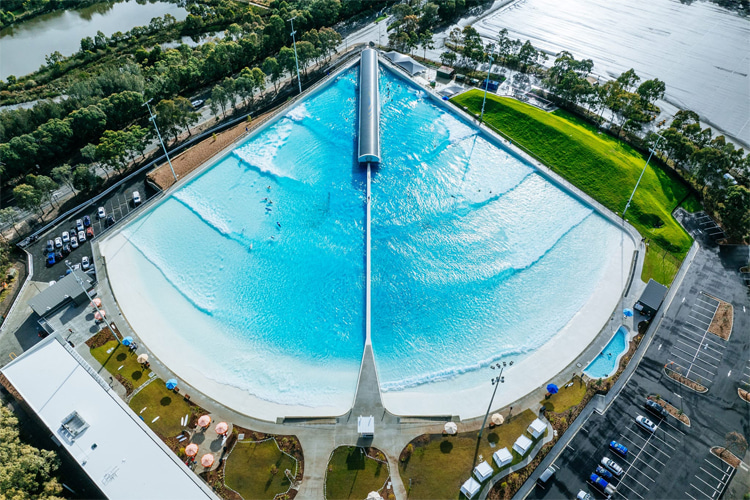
257	469
353	472
675	412
721	324
121	362
744	395
726	455
681	379
163	410
434	466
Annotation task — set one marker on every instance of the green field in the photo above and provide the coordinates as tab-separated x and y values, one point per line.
119	360
155	400
601	166
439	465
352	474
256	470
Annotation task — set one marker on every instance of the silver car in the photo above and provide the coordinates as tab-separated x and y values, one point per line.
612	466
646	423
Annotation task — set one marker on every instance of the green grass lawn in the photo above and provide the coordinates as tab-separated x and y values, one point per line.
603	167
566	397
248	470
352	474
163	403
439	465
692	204
121	361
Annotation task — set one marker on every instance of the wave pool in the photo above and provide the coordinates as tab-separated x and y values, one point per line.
248	280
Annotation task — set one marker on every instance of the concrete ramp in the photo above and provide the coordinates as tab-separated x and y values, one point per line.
369	108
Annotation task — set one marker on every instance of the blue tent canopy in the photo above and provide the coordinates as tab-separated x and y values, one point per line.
171	383
127	341
552	388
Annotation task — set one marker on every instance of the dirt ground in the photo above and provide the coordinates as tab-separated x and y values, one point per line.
197	155
721	325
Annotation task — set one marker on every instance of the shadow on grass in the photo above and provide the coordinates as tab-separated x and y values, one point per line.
446	446
356	459
165	401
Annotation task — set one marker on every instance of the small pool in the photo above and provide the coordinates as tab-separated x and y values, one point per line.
605	364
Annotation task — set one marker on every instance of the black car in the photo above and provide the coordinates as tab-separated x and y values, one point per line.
656	408
110	220
58	256
66	249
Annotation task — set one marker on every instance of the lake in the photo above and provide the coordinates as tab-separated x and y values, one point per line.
24	46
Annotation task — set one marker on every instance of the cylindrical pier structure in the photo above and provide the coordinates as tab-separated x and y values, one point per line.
369	108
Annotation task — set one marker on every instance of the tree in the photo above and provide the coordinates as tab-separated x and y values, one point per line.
25	472
429	16
88	123
448	58
425	41
651	90
325	12
329	40
306	52
272	68
112	149
9	215
473	50
286	60
735	215
28	198
734	442
64	175
84	178
218	99
45	187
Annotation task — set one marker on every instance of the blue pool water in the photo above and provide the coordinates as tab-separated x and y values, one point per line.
605	364
259	260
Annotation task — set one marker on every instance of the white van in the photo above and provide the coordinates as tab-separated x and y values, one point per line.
136	198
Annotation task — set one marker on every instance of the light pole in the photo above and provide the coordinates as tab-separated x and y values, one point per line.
83	287
627	205
491	47
152	118
496	381
296	61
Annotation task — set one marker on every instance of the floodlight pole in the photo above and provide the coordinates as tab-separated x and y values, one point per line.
487	83
496	381
152	118
83	287
627	205
296	61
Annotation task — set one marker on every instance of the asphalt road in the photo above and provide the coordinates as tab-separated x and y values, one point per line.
675	461
118	204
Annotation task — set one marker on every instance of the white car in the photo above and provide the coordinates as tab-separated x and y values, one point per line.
85	264
81	236
136	198
58	242
101	213
66	237
79	225
646	423
582	495
73	242
612	465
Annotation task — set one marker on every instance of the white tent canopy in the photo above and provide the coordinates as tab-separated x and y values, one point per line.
406	62
470	488
502	457
450	428
522	445
537	428
374	495
483	471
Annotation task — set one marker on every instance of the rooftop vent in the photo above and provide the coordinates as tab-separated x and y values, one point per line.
74	424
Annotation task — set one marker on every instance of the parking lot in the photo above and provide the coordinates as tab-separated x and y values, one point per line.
711	479
118	204
695	352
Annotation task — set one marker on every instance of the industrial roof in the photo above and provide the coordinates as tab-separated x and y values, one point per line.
122	456
653	295
405	62
58	293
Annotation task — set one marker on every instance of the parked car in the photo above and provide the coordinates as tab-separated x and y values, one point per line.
546	476
612	465
66	249
73	231
51	259
110	220
618	448
136	198
89	232
604	473
583	495
85	264
58	255
81	236
79	225
50	246
197	103
602	485
656	408
646	423
66	237
73	242
101	213
86	220
58	242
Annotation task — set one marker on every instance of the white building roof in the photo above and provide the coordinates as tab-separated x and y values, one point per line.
537	428
522	444
122	456
502	457
366	425
470	487
483	471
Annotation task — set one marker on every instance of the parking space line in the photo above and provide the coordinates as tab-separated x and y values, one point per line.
676	363
631	489
665	443
641	471
704	482
729	467
698	313
692	363
711	309
640	483
699	327
707	346
660	451
721	481
699	352
700	490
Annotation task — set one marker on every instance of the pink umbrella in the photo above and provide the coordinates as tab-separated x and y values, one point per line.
97	302
100	315
222	428
191	450
204	421
207	460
